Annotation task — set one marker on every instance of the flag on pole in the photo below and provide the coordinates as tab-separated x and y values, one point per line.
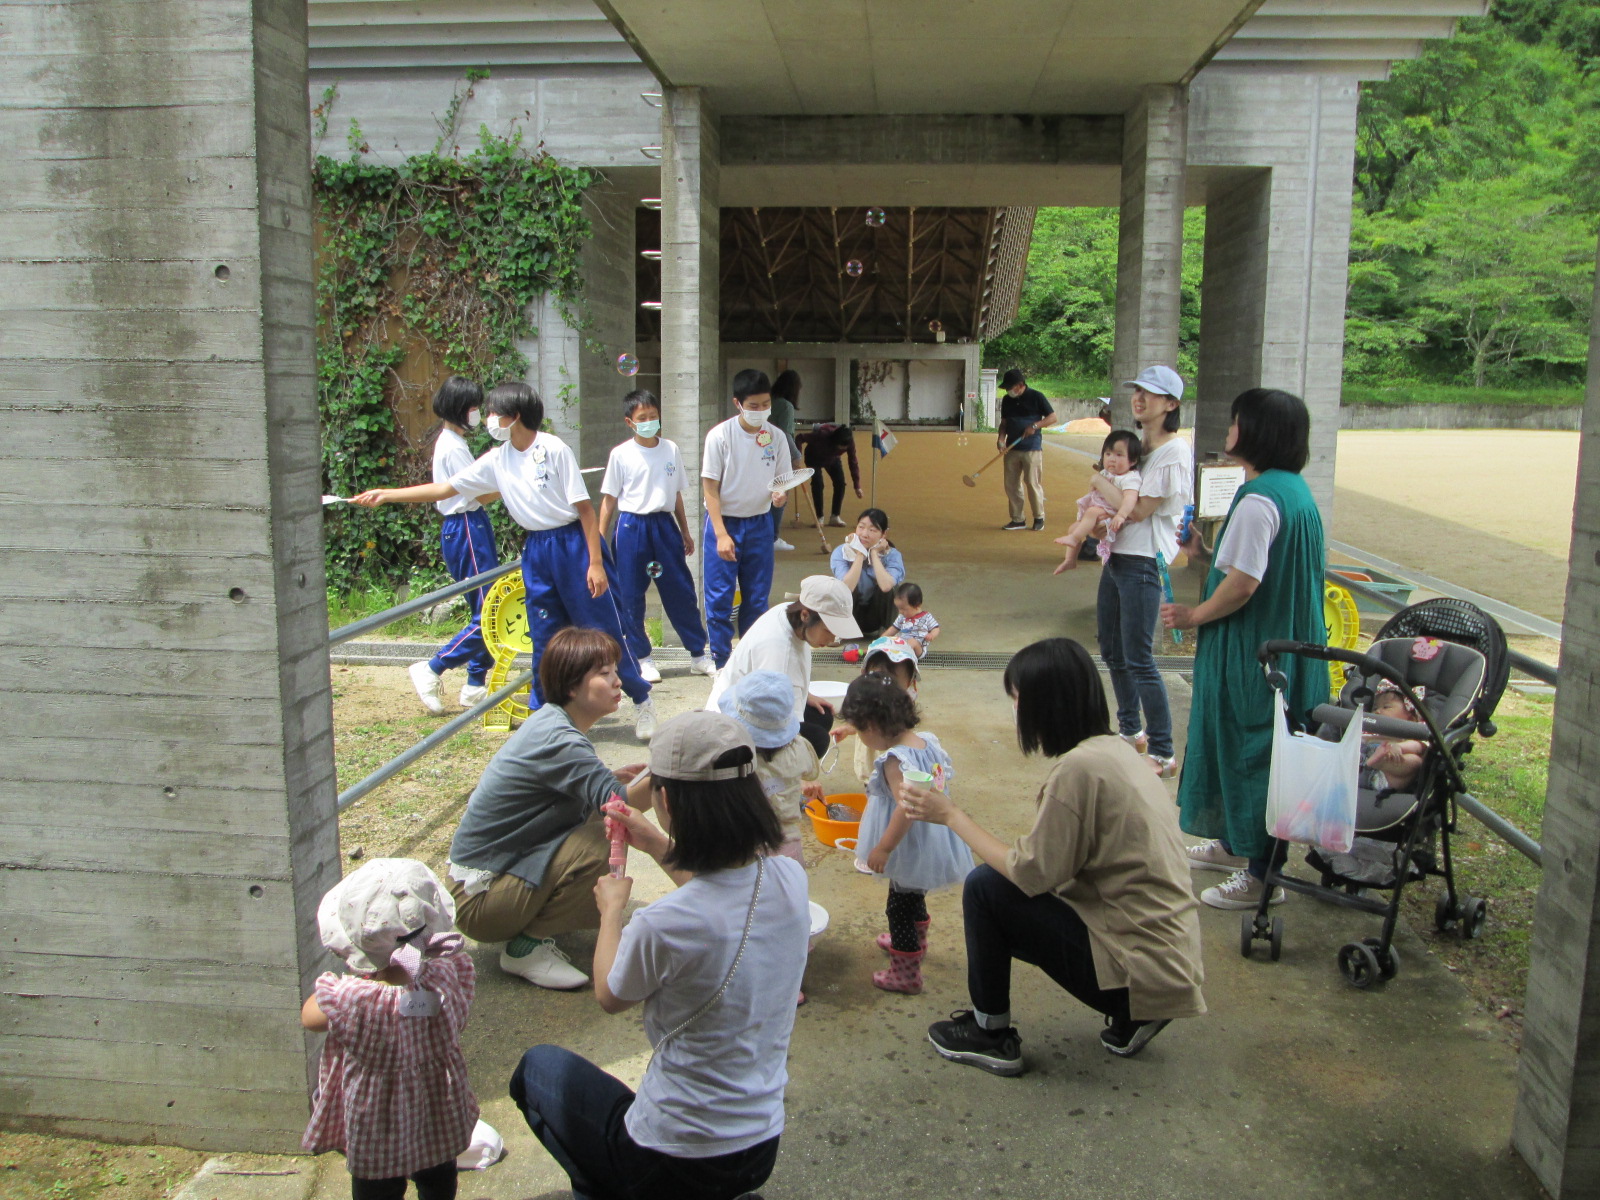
883	440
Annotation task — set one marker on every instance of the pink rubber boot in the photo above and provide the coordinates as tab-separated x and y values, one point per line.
903	974
885	942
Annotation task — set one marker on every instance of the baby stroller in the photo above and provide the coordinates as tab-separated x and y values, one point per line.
1456	653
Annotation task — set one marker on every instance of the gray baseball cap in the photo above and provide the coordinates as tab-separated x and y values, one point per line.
686	748
1159	381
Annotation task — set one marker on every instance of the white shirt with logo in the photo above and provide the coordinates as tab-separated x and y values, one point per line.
539	486
645	479
744	464
451	456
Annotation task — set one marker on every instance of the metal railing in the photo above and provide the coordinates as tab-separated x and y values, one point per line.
378	620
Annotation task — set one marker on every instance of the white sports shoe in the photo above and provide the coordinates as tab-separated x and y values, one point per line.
473	693
430	688
703	664
1239	890
780	544
644	719
648	671
546	967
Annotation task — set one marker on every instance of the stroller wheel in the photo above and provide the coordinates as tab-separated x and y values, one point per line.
1359	965
1474	912
1276	943
1247	933
1388	960
1445	914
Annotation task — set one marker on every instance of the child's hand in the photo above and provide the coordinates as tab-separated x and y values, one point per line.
812	790
630	772
878	860
688	544
727	549
841	731
371	498
598	583
611	894
1116	523
779	499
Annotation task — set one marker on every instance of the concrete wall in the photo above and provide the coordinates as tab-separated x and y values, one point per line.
1286	239
1458	416
167	793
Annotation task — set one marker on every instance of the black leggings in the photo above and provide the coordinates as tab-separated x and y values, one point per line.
874	614
835	471
434	1183
814	726
905	910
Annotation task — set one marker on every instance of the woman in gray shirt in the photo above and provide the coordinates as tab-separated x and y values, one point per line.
531	844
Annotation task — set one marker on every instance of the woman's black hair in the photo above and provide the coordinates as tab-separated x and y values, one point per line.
1274	430
1130	440
750	382
1059	698
877	702
877	516
513	398
787	385
456	397
643	398
720	824
798	623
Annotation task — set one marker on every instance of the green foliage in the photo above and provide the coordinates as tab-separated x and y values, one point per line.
445	251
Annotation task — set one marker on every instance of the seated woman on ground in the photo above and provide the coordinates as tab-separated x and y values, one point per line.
1096	894
530	846
717	965
1097	517
869	565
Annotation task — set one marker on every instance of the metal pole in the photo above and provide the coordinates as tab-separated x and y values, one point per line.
378	620
1502	828
446	731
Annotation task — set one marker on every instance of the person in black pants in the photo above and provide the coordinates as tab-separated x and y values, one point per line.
1096	894
823	448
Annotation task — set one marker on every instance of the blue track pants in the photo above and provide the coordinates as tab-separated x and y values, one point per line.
750	573
467	542
640	540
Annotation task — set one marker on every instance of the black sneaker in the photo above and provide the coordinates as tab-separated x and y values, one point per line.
1038	524
1127	1038
1014	525
961	1039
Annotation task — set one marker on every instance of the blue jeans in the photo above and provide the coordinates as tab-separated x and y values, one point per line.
467	543
1127	608
577	1111
750	573
643	539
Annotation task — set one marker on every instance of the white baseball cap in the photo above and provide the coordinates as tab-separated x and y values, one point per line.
1159	381
829	599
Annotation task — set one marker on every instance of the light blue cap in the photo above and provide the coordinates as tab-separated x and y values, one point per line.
763	702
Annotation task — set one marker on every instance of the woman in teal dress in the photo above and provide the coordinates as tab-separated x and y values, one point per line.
1266	581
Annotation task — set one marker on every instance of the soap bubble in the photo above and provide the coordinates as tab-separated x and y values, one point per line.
544	614
876	217
627	364
853	268
935	326
653	570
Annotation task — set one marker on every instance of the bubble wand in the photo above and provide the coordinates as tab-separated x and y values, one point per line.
1166	591
618	833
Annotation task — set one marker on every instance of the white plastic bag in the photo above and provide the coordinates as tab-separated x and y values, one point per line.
1311	793
486	1149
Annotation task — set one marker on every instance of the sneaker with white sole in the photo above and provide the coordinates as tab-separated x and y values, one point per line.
1210	856
546	966
473	693
703	664
961	1039
1240	890
780	544
1127	1038
648	671
644	719
430	688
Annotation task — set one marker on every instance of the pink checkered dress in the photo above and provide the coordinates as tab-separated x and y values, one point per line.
392	1091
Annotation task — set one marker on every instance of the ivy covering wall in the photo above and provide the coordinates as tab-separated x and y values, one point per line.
442	253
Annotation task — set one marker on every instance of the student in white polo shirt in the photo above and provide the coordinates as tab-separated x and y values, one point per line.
743	455
643	489
539	483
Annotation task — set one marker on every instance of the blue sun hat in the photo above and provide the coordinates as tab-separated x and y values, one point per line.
763	702
895	649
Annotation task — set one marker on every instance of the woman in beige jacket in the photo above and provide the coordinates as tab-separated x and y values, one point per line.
1096	894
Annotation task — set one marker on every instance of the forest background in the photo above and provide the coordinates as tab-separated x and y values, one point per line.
1475	209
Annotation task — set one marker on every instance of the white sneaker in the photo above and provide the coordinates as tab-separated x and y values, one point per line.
703	664
836	520
1210	856
547	967
430	688
780	544
1239	890
644	719
473	693
648	671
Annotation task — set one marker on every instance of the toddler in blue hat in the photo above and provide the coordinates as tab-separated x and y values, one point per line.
763	702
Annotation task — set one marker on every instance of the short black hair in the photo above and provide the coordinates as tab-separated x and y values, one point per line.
842	435
909	592
456	397
1011	378
642	398
722	823
877	516
877	702
1274	430
1129	439
751	382
513	398
787	385
1059	698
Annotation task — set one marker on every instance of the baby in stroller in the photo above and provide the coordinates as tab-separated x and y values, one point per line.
1391	763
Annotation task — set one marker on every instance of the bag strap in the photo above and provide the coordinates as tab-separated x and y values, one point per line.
749	921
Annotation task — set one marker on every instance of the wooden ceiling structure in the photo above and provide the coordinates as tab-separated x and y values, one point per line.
859	275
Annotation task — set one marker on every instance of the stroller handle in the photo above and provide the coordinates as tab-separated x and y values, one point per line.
1366	663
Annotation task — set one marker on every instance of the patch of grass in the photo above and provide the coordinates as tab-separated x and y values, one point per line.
354	606
62	1168
1071	387
1451	393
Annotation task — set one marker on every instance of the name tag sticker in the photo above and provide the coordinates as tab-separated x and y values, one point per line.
420	1002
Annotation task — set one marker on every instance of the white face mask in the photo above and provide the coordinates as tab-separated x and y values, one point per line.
499	431
647	429
756	417
474	419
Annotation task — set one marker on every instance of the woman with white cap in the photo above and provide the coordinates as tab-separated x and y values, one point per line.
782	639
1130	596
716	964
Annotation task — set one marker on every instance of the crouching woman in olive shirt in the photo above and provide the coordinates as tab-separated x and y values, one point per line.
1096	894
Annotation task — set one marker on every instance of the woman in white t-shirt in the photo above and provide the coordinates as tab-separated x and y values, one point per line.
716	964
1130	594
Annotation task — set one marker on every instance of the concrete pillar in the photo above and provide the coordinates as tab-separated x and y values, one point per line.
692	393
1149	238
168	792
1233	293
1557	1123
